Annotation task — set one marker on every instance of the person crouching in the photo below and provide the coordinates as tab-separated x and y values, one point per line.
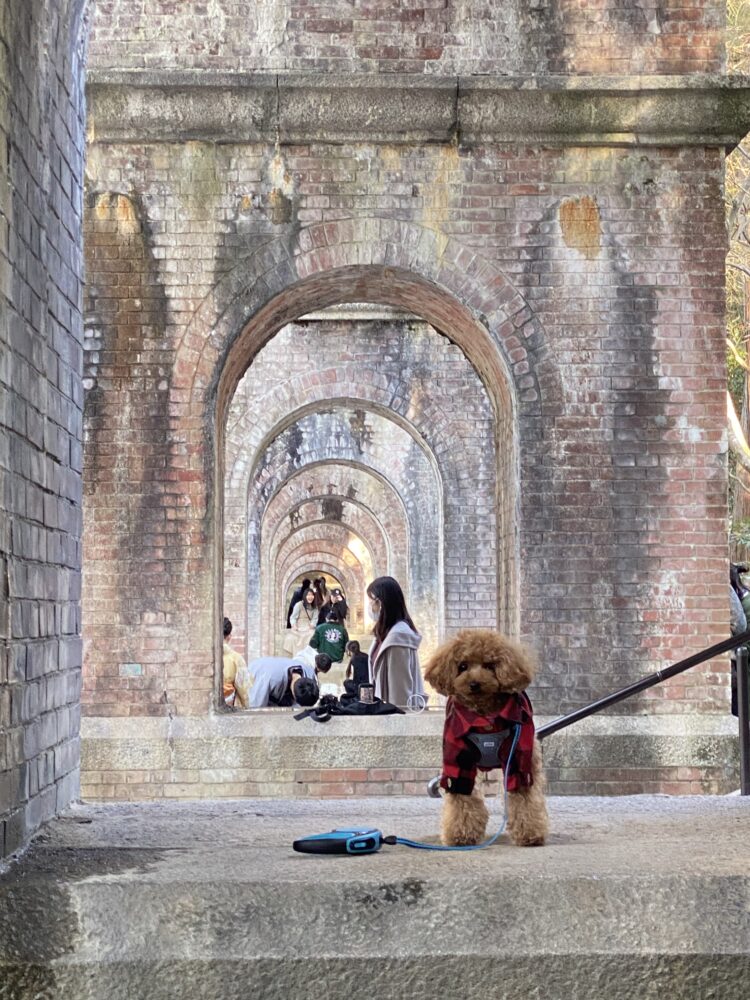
280	682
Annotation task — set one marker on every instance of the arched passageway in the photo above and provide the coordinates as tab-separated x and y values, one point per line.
347	493
398	368
360	388
383	448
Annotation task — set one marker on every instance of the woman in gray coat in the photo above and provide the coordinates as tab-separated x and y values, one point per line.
394	660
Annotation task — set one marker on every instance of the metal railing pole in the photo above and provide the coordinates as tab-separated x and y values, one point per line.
743	717
645	682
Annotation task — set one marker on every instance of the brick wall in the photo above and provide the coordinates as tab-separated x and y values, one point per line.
331	783
41	132
440	37
572	282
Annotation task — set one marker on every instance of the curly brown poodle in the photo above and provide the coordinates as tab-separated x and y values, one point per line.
485	675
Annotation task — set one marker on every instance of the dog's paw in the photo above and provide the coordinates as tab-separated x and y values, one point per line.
530	841
464	820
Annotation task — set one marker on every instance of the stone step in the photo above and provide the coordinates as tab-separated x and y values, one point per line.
632	897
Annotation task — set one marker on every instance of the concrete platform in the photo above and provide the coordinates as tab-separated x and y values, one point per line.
633	897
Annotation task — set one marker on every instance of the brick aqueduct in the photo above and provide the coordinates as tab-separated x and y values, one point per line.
430	288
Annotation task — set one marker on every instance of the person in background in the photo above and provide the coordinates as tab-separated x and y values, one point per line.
359	666
331	637
297	596
234	672
323	599
303	622
394	657
280	681
738	595
339	601
736	571
737	616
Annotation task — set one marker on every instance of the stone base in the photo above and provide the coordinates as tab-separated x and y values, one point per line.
634	897
268	754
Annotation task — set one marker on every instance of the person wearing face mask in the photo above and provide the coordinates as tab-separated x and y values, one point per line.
394	658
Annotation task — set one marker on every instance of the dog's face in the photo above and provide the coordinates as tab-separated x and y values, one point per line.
478	667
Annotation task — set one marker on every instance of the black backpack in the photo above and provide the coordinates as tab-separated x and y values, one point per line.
348	704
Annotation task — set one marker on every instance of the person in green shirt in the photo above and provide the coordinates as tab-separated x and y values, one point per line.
331	637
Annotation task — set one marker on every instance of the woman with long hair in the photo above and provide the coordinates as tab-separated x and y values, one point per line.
322	598
394	658
304	618
359	666
296	598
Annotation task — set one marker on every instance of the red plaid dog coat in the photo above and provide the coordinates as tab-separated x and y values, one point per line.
461	757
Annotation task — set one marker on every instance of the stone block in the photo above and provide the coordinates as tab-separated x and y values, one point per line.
15	831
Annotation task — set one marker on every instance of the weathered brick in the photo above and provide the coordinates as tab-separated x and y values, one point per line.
37	426
429	37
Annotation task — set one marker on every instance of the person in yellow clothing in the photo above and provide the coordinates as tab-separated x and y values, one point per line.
236	686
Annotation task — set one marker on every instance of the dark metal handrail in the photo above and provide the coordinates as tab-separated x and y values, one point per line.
743	684
743	717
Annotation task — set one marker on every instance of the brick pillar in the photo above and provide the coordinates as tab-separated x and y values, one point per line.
41	131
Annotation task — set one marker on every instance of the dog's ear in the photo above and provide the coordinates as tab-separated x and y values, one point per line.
440	669
516	666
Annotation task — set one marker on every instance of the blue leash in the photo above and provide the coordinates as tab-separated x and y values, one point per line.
368	841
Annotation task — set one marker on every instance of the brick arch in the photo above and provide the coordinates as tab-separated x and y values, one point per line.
242	468
341	533
391	262
246	471
332	534
355	484
452	286
349	512
420	491
353	520
315	544
351	516
328	540
285	450
429	418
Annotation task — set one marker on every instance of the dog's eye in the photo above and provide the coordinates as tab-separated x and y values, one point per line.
462	667
489	666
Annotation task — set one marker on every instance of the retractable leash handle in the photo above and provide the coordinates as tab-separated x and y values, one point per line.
341	842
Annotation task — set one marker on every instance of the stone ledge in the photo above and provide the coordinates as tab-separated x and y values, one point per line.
270	754
149	106
280	723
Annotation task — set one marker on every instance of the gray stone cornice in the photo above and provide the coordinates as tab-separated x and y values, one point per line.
151	106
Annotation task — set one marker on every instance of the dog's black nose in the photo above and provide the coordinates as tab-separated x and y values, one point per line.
475	686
